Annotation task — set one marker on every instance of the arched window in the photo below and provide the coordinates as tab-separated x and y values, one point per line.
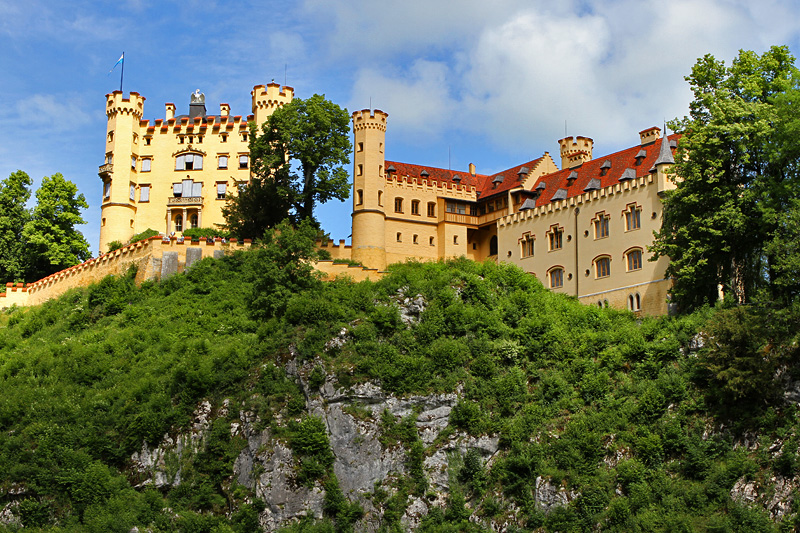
556	277
179	223
189	162
633	217
634	302
359	197
634	259
193	220
602	266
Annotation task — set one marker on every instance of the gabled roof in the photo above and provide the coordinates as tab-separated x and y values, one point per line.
623	163
488	188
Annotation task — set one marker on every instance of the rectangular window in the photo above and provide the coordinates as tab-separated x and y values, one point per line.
398	205
223	161
527	246
454	207
144	193
556	239
133	192
601	227
106	189
399	237
147	141
415	207
556	278
146	165
415	239
243	161
133	163
633	218
221	190
197	189
603	267
359	197
224	138
177	190
241	185
431	209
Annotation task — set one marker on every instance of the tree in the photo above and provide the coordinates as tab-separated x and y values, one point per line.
734	176
14	194
297	161
51	240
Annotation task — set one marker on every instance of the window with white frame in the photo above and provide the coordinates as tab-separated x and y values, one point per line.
223	162
189	162
244	161
222	189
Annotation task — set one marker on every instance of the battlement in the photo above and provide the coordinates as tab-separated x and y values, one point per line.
116	103
575	151
366	118
271	96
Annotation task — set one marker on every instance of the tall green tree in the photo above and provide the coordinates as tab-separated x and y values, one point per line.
734	176
297	160
51	240
14	194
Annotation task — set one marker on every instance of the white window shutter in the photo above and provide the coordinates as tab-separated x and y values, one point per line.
179	163
197	189
177	188
144	193
198	162
145	165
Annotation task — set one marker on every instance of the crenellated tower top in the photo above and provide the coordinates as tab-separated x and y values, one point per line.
364	119
116	104
267	99
575	152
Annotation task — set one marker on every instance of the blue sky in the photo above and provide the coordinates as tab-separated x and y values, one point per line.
492	83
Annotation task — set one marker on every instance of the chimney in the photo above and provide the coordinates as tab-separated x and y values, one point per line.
472	168
170	111
224	110
649	135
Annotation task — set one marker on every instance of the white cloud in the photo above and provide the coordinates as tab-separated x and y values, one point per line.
55	112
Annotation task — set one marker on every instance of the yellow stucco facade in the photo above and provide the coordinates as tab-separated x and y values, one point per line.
174	173
582	230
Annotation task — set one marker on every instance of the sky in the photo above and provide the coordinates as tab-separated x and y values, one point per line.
490	83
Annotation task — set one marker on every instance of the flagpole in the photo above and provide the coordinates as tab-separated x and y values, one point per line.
122	72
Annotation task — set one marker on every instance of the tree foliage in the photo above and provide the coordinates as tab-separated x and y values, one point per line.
736	174
51	240
36	243
14	193
297	159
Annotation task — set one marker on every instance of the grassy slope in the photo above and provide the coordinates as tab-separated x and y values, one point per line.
85	379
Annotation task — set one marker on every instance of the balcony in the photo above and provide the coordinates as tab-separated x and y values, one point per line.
459	218
185	200
105	170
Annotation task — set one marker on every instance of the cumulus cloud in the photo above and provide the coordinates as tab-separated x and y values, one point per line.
516	72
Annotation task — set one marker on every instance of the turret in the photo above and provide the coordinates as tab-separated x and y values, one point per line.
118	171
267	99
575	153
663	163
369	218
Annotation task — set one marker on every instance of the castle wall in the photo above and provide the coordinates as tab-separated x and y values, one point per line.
582	247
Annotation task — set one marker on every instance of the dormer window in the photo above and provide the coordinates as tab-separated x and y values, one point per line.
605	166
640	156
522	172
571	178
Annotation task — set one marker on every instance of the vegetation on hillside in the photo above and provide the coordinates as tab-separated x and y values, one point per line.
644	428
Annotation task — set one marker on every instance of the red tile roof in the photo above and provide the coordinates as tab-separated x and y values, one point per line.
435	175
620	162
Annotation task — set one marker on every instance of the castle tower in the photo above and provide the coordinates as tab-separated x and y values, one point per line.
369	216
575	153
663	163
118	170
267	99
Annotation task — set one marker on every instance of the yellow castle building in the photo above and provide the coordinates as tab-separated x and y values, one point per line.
176	172
582	230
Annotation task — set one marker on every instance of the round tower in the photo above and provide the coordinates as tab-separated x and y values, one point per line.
118	168
577	152
267	99
369	216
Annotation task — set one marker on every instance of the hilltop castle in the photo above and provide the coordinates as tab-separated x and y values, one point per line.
582	230
181	167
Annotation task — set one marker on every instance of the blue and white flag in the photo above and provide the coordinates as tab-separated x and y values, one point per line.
119	61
